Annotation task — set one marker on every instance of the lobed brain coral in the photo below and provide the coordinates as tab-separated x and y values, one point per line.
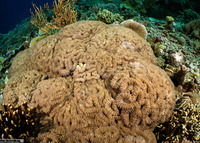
98	83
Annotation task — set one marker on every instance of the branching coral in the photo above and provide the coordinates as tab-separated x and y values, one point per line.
64	14
102	85
17	121
184	123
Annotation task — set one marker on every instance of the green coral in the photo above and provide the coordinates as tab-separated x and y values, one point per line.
108	17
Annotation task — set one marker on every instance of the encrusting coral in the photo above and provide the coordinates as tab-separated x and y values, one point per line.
101	85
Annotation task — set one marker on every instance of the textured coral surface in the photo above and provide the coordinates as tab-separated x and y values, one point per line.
98	83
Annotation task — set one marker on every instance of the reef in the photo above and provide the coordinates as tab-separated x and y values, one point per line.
93	83
173	49
178	54
102	86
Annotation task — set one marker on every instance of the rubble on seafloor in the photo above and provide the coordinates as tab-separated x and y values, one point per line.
176	53
173	49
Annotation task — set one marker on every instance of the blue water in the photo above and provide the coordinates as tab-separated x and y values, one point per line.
12	12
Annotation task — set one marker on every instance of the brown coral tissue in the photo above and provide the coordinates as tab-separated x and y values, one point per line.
93	82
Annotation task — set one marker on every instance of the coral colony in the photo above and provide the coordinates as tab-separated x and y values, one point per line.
107	89
103	71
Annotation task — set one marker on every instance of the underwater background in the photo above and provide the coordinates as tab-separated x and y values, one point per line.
171	28
13	12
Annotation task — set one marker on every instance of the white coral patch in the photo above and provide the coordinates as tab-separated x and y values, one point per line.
127	45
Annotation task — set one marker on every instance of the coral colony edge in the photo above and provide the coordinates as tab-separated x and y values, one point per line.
102	71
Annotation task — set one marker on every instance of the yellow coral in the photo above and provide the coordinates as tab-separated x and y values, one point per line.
64	14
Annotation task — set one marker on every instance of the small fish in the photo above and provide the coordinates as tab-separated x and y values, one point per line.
10	52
